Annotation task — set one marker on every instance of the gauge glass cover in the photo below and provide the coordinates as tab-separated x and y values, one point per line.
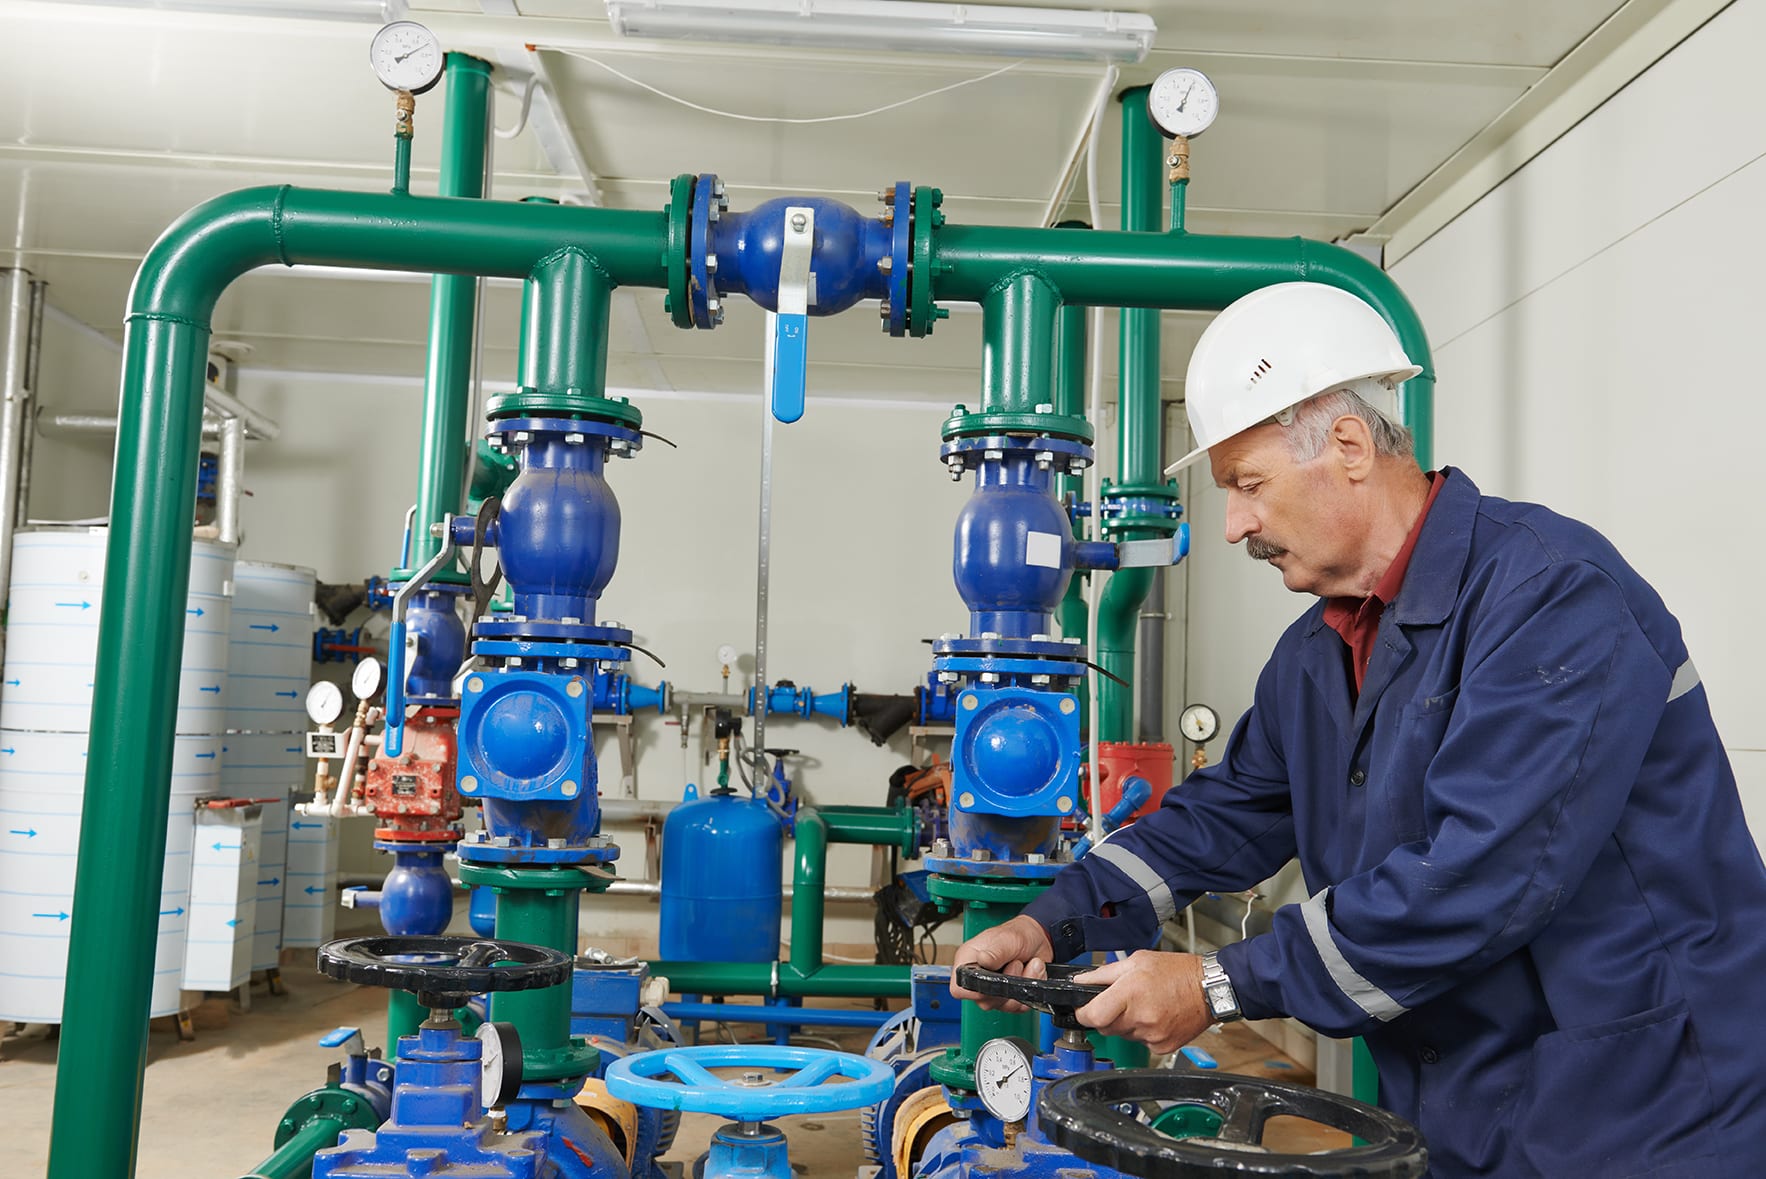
406	56
1199	723
324	702
370	677
1002	1074
1183	102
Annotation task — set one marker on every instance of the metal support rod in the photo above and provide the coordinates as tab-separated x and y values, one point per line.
227	482
257	424
764	555
33	402
12	407
1070	369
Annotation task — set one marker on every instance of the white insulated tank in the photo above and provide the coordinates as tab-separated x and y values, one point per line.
270	656
42	787
269	768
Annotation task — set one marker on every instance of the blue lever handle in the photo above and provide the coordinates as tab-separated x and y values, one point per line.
338	1037
790	366
1198	1057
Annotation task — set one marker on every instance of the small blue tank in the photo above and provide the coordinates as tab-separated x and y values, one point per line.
721	896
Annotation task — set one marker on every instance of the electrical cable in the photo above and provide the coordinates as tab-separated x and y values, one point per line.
709	110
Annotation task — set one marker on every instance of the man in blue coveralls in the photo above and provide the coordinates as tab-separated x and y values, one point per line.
1533	889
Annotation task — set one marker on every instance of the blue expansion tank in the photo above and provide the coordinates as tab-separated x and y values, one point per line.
721	896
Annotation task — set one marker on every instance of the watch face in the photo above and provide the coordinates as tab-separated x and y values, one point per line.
1002	1076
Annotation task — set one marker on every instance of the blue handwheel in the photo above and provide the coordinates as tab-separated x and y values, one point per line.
637	1079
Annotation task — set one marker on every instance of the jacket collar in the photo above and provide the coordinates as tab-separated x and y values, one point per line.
1437	564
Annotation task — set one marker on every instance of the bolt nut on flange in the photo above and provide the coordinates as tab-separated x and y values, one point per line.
940	849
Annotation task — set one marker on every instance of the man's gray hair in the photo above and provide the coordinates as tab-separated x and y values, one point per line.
1310	426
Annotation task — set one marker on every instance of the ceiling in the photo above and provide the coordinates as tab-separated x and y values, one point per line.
114	119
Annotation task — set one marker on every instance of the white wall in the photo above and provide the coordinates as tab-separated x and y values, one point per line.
1593	321
78	373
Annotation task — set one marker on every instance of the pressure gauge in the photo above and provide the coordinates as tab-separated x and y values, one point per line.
500	1067
369	679
324	702
406	56
1183	102
726	655
1002	1074
1199	723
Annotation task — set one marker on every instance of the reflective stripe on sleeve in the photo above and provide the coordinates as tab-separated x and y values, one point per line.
1685	680
1143	874
1362	993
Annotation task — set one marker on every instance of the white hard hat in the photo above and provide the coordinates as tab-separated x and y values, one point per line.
1274	348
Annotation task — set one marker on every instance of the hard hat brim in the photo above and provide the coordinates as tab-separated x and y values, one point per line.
1187	460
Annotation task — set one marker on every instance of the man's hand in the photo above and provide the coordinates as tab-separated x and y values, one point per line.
1153	997
1019	947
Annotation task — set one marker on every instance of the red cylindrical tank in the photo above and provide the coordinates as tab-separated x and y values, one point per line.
1119	759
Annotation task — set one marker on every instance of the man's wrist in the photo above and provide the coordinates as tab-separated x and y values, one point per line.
1218	995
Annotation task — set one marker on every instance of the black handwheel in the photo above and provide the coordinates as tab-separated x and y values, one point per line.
1057	994
443	971
1094	1115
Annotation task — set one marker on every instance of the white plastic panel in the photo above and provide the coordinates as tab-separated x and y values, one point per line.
223	898
52	633
270	653
267	766
309	907
266	953
42	783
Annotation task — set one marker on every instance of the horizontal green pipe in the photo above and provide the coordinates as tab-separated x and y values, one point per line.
294	1158
1184	272
219	240
836	980
881	825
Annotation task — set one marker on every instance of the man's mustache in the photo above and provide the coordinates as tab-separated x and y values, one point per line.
1262	550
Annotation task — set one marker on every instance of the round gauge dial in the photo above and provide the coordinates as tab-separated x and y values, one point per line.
324	702
1183	102
727	655
1002	1074
1199	723
500	1066
406	56
369	679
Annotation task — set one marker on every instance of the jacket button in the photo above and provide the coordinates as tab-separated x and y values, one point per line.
1429	1055
1357	777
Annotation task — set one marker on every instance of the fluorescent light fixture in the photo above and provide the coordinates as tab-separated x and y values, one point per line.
357	10
903	26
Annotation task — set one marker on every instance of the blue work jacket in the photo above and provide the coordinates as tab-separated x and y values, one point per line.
1534	891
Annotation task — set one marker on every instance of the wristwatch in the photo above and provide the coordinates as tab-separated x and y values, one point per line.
1217	991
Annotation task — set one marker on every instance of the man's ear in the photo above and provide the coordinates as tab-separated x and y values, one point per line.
1353	445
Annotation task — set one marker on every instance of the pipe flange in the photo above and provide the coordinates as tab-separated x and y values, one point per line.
1144	507
901	246
965	424
922	313
709	204
680	215
528	402
352	1111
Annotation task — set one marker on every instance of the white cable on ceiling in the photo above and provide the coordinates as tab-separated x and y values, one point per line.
1094	473
722	114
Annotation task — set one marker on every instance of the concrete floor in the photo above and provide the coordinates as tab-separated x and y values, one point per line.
211	1105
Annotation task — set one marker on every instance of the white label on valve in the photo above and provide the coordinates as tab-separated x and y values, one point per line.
1042	549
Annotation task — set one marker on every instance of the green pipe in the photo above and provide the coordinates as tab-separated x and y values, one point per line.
1138	424
880	825
1192	272
1070	377
834	980
294	1158
1018	345
122	848
141	632
564	325
808	882
401	165
447	384
403	1015
986	903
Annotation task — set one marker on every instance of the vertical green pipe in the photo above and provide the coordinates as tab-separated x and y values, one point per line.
539	917
1018	346
123	838
403	1014
807	884
1138	425
564	312
447	385
1070	373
